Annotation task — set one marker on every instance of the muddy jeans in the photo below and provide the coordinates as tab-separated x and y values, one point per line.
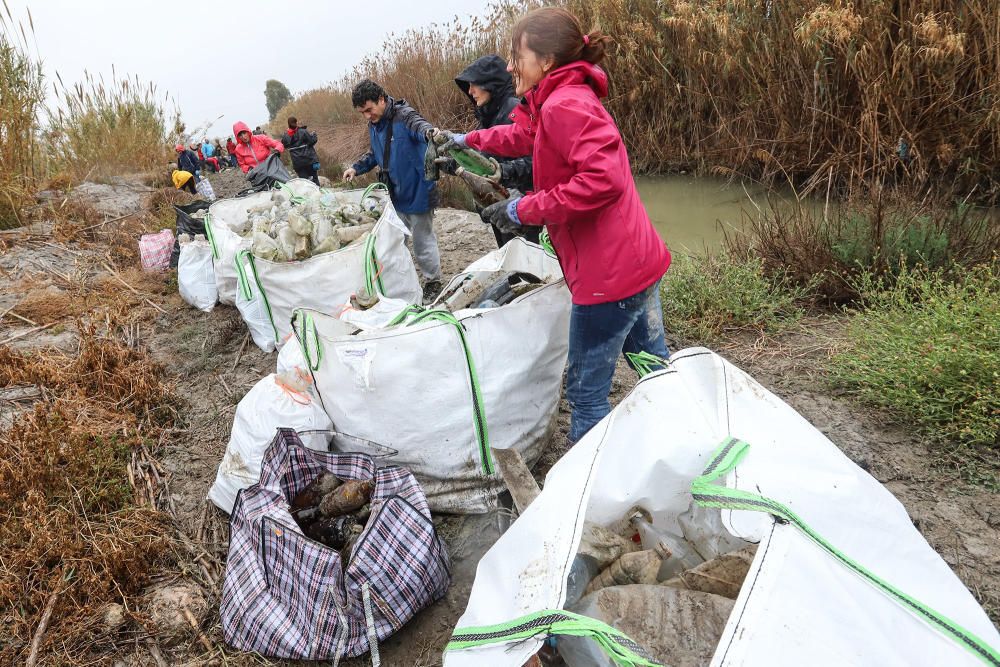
597	335
425	243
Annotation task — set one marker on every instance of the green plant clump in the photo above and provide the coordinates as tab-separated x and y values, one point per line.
927	348
705	296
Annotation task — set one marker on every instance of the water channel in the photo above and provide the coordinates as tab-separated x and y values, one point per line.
692	213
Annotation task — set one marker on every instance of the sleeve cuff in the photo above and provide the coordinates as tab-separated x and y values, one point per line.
512	210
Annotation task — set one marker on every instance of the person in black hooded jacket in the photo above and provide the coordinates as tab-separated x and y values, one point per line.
490	88
301	144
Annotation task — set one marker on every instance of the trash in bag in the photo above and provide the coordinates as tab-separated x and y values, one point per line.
268	172
190	219
286	595
196	272
204	188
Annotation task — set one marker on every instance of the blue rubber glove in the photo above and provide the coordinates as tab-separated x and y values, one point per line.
449	140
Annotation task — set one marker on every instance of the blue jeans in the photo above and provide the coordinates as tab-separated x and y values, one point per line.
597	335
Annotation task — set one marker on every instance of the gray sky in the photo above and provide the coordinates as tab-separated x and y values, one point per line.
213	56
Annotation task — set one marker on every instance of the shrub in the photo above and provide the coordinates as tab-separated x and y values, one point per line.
706	296
878	238
927	348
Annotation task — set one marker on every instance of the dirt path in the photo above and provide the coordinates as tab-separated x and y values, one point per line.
214	365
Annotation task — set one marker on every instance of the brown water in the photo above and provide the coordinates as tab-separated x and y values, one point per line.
691	213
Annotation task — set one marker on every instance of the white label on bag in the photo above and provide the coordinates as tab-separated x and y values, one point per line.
359	358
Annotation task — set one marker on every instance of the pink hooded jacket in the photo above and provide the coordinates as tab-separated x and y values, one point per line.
584	191
249	156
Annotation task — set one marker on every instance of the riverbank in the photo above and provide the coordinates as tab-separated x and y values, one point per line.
208	365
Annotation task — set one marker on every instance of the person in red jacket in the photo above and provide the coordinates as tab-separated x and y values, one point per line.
585	196
252	149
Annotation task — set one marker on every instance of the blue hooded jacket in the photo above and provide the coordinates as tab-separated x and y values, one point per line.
410	192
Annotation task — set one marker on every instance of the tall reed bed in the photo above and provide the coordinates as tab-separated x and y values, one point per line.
21	98
101	130
832	96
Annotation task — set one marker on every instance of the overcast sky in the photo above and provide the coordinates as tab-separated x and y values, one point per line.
213	56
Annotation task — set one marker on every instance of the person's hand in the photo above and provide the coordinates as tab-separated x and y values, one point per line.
197	172
275	151
448	140
447	164
503	214
497	174
350	174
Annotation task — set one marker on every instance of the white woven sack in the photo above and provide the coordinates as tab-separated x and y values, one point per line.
271	404
196	275
679	434
441	389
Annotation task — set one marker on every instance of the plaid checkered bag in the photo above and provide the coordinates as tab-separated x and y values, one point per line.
155	250
287	596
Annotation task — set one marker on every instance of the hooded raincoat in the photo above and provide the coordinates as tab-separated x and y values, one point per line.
256	151
490	73
584	192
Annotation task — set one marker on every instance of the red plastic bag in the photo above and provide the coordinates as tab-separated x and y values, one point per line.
155	249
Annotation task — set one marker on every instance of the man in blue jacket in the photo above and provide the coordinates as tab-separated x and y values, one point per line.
397	137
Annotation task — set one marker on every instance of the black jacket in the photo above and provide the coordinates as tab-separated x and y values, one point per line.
300	147
490	72
187	161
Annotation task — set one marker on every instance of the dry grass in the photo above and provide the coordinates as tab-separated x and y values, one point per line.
72	531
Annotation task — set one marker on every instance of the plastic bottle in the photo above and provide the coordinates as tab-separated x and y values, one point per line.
584	569
682	556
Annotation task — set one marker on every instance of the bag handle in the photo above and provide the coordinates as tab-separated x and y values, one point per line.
304	325
246	256
725	459
211	236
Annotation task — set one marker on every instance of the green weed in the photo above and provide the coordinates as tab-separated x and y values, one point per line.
927	348
704	297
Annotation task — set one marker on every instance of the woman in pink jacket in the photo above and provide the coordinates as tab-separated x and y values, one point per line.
252	149
586	197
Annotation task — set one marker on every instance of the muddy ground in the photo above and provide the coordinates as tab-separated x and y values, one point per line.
214	364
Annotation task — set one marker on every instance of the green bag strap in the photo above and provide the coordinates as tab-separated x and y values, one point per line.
210	236
417	314
373	272
707	494
245	256
304	326
546	242
292	197
619	647
644	362
372	188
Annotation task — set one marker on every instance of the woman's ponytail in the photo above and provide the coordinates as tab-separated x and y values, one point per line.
553	31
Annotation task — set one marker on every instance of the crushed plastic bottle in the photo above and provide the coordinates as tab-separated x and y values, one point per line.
681	555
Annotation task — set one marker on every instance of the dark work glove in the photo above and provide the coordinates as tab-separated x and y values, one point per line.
503	214
447	165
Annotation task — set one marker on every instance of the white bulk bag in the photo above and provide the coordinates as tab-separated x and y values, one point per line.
442	388
381	262
290	357
225	218
196	275
274	402
252	305
800	604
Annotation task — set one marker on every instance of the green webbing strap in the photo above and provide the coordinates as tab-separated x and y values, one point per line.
645	363
622	650
417	314
707	494
305	325
210	236
292	197
546	242
244	284
373	273
372	188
